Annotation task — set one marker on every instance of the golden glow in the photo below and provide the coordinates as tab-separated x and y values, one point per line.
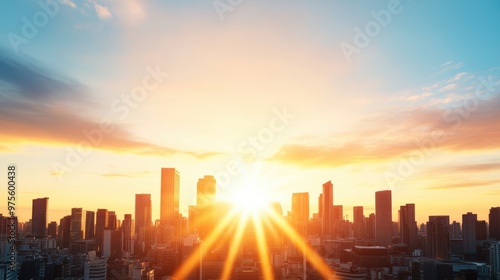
250	200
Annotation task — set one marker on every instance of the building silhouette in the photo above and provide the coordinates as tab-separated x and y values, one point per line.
39	217
300	212
143	211
408	226
90	225
358	222
383	218
100	225
169	196
77	225
469	221
494	223
327	209
438	237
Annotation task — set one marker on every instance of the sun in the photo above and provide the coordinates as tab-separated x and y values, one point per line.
250	200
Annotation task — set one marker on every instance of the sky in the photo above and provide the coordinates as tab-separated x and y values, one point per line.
96	96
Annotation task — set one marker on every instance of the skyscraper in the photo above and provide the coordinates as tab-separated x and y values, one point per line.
327	211
39	217
64	232
300	212
128	234
169	199
358	222
469	221
494	222
100	225
90	225
438	237
408	226
112	220
77	226
383	218
52	229
142	211
205	198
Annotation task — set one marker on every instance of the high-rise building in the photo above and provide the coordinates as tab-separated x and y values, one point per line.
169	197
481	230
90	225
77	226
64	231
455	231
100	225
52	229
494	259
320	206
469	221
300	212
192	218
39	217
358	222
338	229
327	209
112	220
494	222
205	197
143	211
128	234
383	218
408	226
438	237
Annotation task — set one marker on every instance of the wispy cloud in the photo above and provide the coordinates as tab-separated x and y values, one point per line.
463	184
102	12
39	105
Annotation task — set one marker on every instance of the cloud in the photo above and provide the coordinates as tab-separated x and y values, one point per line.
450	66
69	3
463	184
38	105
392	135
448	87
102	12
418	97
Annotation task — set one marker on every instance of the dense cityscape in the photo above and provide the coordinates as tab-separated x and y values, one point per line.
224	240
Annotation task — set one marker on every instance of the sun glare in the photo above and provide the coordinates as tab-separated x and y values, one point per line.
250	200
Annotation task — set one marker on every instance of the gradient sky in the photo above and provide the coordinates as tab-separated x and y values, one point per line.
427	77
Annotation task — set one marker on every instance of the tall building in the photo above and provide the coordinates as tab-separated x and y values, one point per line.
408	226
494	259
205	198
112	220
52	229
143	211
455	230
128	234
39	217
494	222
64	231
169	197
192	218
327	209
90	225
438	237
469	221
358	222
77	226
338	229
481	230
383	218
300	212
100	225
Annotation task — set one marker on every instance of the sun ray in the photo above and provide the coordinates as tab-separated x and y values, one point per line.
313	258
193	259
235	246
262	248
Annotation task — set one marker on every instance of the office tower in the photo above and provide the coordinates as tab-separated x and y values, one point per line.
90	225
95	269
39	217
494	259
100	225
77	230
64	232
408	226
205	198
52	229
455	230
494	221
358	222
320	206
438	237
383	218
337	221
169	197
112	220
370	226
327	209
300	212
469	221
142	211
128	234
481	230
